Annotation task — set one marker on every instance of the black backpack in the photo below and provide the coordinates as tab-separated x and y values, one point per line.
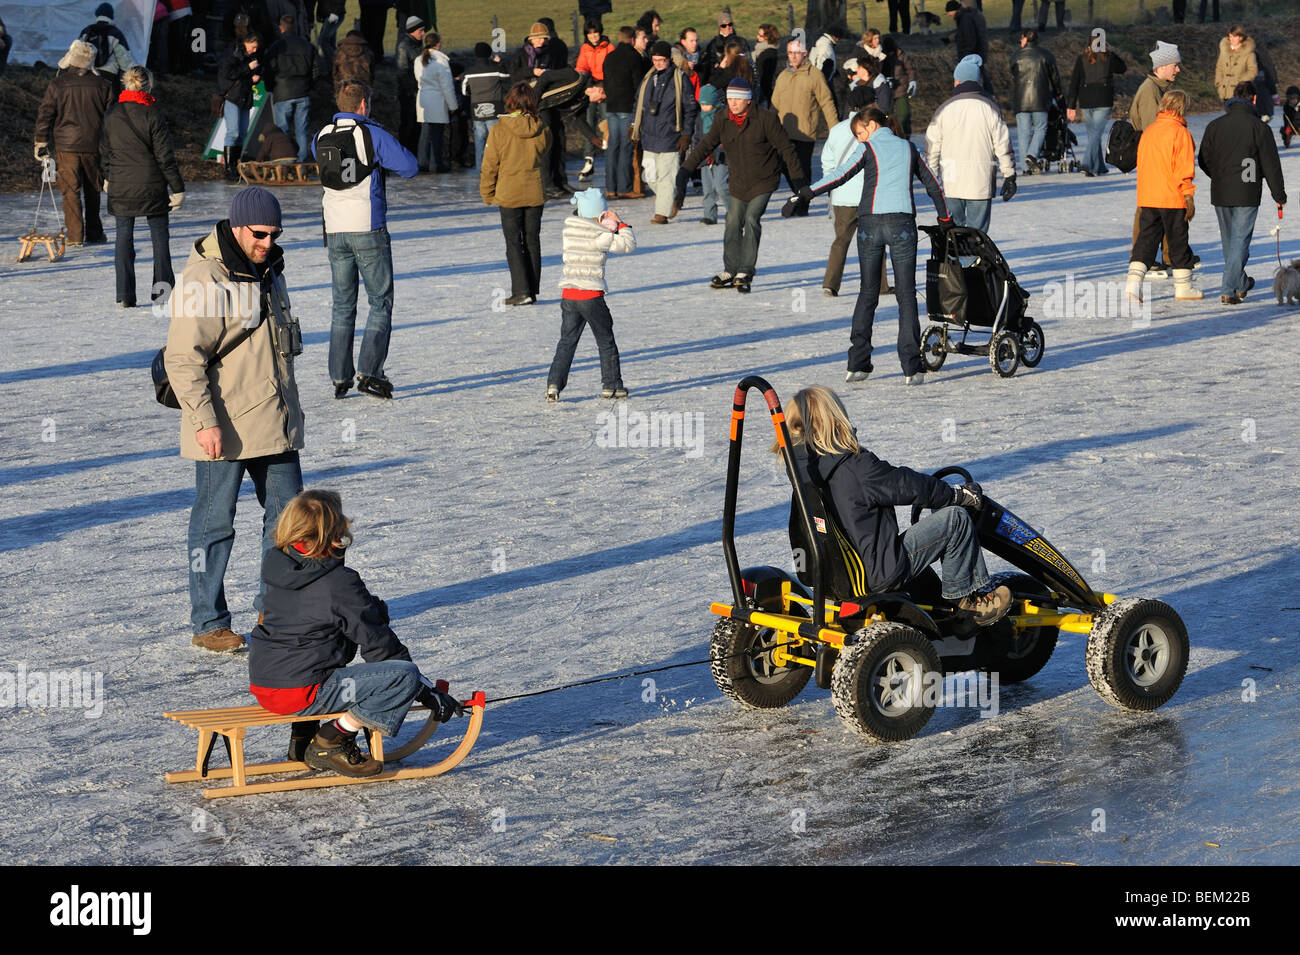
341	167
98	35
1122	147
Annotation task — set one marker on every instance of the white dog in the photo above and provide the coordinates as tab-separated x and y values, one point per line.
1286	283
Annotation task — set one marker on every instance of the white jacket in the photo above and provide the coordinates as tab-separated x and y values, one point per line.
967	144
586	243
823	50
436	99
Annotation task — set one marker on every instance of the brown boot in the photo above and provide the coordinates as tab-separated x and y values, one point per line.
988	608
223	640
336	752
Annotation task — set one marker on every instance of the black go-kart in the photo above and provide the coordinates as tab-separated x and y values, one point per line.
969	285
874	651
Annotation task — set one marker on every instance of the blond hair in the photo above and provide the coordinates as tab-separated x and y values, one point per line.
137	78
816	417
1175	101
314	520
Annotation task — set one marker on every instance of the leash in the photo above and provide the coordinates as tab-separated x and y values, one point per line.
619	676
1277	234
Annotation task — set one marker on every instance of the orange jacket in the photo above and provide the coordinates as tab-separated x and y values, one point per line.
591	59
1166	163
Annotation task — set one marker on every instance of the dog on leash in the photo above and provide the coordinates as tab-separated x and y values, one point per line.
925	20
1286	283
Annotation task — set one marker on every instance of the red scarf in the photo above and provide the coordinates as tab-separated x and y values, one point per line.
136	96
738	120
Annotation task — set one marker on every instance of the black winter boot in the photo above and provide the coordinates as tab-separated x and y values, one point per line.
232	163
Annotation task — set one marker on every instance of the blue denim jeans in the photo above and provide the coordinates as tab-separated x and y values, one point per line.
744	231
974	213
481	129
432	153
124	260
1031	131
276	478
715	179
291	116
948	535
1094	153
574	314
618	160
1236	226
897	231
376	695
371	255
236	123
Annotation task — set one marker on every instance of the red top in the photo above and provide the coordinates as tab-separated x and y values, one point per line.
285	701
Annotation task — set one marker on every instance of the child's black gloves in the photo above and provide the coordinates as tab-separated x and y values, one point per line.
443	705
968	495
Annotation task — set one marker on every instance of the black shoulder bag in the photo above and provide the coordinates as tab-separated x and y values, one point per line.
162	388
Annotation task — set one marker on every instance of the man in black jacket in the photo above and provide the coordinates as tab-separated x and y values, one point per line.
1037	85
71	116
1237	150
410	44
624	69
972	35
237	73
290	70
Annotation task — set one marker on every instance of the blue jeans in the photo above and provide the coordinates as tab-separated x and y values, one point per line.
432	154
1236	226
618	160
973	213
574	314
1031	131
948	535
293	112
481	129
124	260
236	123
371	255
276	478
875	232
714	178
1094	154
744	231
376	695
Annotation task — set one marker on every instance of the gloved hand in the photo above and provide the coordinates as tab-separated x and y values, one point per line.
176	200
1189	207
968	495
679	186
683	143
911	89
945	225
41	151
443	705
1008	188
797	205
332	18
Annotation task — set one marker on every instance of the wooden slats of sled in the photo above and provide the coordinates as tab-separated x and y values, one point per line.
54	243
233	723
282	172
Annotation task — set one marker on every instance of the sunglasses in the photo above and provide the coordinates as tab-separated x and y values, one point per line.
260	235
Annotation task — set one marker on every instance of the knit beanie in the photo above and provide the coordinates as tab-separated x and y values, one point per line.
590	202
482	51
80	56
538	29
104	10
968	70
254	206
952	7
739	88
1164	54
662	48
413	24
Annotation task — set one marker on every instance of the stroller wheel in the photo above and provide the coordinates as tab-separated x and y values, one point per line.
1004	354
1031	345
933	352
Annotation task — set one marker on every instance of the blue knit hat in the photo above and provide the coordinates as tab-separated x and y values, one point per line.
739	88
590	202
968	70
104	10
254	206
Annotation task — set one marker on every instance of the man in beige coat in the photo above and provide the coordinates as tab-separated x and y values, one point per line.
802	99
229	358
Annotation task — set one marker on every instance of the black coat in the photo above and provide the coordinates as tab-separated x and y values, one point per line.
865	490
72	110
1037	82
316	615
290	66
234	78
972	34
624	68
755	150
138	162
1233	143
1092	85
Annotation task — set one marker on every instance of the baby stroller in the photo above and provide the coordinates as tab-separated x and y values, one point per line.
1059	145
969	284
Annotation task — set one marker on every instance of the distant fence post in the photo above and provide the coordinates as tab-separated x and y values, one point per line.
789	15
577	30
862	8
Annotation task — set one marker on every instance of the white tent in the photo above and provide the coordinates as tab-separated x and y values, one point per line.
43	29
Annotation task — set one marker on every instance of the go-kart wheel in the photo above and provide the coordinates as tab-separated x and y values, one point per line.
1137	654
933	354
1004	354
742	666
1034	645
1031	345
879	682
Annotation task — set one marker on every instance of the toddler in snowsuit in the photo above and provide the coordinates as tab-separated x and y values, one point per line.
316	615
589	235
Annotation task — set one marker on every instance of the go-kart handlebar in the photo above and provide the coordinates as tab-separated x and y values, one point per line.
941	474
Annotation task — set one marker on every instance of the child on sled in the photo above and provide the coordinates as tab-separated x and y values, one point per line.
316	615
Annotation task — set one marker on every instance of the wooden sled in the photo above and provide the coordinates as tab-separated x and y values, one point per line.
281	172
55	244
231	725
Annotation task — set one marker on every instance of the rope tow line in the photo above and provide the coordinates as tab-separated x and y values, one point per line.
618	676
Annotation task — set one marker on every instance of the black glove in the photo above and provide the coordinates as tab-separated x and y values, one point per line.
1008	188
945	225
679	186
968	495
443	705
797	205
683	143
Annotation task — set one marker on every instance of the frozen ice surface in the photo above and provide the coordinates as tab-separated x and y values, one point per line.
517	552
